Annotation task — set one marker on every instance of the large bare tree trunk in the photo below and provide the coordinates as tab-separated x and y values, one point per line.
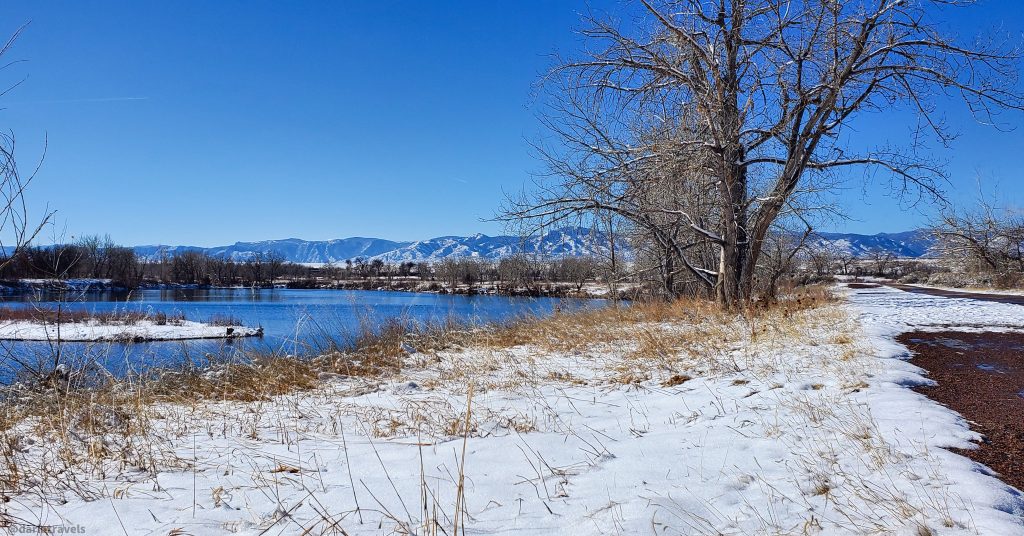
735	248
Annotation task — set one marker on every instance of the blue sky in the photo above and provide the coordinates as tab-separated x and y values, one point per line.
209	122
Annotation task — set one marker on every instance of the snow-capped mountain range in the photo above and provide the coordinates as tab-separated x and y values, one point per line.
291	249
567	242
911	244
571	241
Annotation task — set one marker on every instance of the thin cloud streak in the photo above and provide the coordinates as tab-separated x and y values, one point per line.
74	101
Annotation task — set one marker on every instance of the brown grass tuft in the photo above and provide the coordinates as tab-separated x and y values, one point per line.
676	379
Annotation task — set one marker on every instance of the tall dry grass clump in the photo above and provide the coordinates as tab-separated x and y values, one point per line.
639	321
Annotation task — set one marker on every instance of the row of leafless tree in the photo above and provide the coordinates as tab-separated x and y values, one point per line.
89	257
99	258
261	269
196	267
516	271
712	132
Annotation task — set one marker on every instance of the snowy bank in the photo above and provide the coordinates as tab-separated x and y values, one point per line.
138	331
798	422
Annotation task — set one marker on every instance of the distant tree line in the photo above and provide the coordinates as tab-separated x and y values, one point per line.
516	272
95	257
89	257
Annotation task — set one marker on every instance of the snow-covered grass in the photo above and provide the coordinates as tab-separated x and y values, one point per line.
670	419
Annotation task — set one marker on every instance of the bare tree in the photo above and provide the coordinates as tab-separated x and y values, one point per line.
123	266
575	270
189	267
255	268
986	236
454	271
753	96
821	259
882	262
275	261
448	272
516	272
17	228
780	256
846	261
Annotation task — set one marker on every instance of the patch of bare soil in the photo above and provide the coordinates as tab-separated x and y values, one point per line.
981	376
863	285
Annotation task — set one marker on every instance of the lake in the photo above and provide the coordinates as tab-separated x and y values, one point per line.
294	321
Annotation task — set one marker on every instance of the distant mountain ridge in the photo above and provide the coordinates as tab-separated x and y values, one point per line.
292	249
570	241
566	242
911	244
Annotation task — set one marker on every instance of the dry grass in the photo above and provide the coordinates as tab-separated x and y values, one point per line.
94	424
645	341
110	425
104	424
89	435
577	331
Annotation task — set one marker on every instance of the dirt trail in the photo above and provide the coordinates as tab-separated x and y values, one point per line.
1015	299
981	376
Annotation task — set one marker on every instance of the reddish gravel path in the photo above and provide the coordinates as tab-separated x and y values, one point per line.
981	376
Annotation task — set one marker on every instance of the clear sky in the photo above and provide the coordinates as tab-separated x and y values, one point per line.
210	122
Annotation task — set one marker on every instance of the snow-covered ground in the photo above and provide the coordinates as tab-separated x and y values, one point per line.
801	424
886	312
95	331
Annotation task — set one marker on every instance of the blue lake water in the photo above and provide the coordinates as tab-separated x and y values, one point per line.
294	321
